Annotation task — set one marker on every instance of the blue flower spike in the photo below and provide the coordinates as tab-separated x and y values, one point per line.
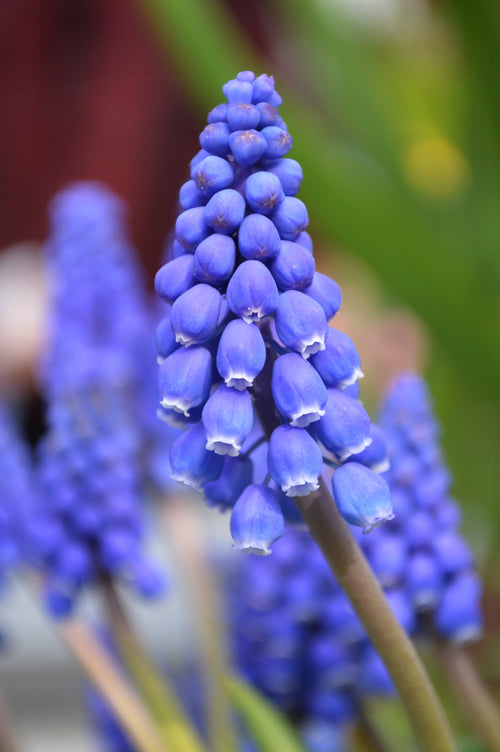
247	356
440	576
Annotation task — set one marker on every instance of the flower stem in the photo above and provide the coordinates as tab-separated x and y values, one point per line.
7	742
175	731
201	585
112	684
477	703
365	736
390	640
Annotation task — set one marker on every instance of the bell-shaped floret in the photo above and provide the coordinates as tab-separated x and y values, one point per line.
257	520
338	364
175	278
236	476
424	580
228	420
298	392
193	464
269	115
225	211
237	91
214	259
305	240
420	533
375	455
165	337
388	558
362	497
344	429
190	196
241	354
263	192
195	315
247	146
258	238
290	218
212	174
263	88
214	138
241	117
289	173
252	292
300	323
73	563
293	267
452	552
185	378
218	113
458	616
325	290
294	460
278	142
191	227
432	486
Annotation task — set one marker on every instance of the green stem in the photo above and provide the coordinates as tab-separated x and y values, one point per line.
390	640
101	670
365	736
175	731
201	587
7	742
472	693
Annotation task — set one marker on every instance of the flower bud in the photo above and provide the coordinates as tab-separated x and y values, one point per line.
344	429
195	315
184	379
300	323
225	211
293	268
193	464
252	292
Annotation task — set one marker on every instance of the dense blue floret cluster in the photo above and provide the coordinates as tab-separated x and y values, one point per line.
88	520
422	550
15	489
297	639
247	353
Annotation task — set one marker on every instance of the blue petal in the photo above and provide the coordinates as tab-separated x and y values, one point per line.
252	292
185	378
241	354
257	520
300	323
338	364
362	497
325	290
293	268
225	211
344	429
298	392
214	259
195	315
175	278
228	420
294	460
192	464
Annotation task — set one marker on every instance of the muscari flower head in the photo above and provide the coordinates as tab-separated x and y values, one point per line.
295	636
87	518
15	490
247	356
422	549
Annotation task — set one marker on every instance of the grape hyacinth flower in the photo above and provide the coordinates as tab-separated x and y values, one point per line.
295	637
15	491
438	571
250	365
87	518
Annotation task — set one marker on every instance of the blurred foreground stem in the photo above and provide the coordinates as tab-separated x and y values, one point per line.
201	585
112	684
476	701
390	640
7	743
175	731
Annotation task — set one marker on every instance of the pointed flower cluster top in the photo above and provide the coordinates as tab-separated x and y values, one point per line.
87	520
422	550
247	351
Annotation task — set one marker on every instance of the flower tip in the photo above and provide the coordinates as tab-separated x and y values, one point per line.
252	548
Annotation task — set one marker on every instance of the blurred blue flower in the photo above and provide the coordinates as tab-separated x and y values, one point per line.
88	515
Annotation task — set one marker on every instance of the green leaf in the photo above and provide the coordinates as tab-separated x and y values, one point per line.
267	726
